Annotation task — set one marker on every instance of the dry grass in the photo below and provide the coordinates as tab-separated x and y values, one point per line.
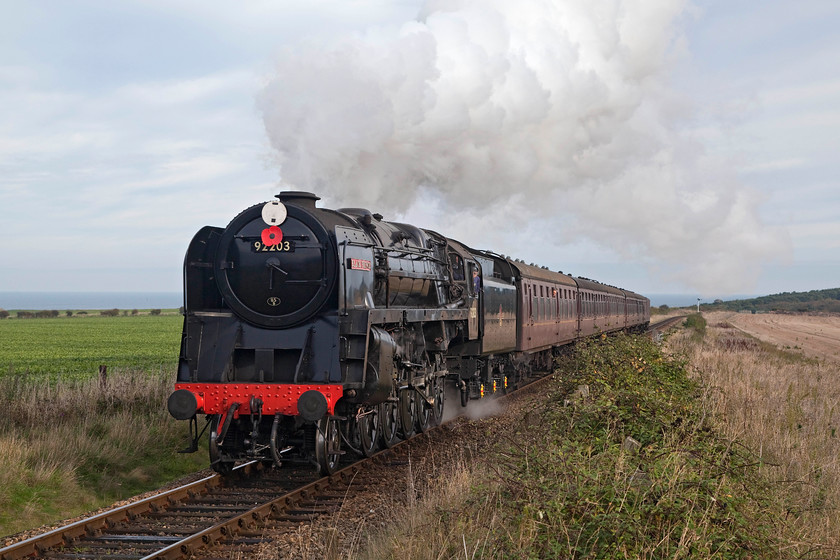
435	523
787	409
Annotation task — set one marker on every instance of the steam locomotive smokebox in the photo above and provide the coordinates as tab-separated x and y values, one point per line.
281	279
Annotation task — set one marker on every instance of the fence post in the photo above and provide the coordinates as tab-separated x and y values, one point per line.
103	377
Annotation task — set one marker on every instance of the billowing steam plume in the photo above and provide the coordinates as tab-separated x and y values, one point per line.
555	105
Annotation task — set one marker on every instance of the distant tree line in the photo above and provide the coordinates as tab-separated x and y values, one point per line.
55	313
814	301
39	314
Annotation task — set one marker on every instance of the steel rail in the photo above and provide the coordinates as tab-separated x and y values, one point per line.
188	546
665	324
61	535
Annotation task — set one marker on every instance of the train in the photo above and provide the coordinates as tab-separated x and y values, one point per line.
310	333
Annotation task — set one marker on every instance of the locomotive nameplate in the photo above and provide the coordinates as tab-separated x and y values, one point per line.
359	264
284	246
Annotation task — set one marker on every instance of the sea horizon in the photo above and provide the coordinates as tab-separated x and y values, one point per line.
37	301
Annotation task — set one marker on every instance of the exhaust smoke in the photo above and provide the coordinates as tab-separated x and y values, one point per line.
562	110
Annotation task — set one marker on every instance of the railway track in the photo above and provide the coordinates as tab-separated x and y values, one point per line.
163	522
665	324
218	513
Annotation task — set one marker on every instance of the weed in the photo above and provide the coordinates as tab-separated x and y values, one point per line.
784	406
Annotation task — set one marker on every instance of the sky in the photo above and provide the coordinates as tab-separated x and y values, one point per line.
662	146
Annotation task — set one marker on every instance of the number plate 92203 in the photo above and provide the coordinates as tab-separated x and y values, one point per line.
282	247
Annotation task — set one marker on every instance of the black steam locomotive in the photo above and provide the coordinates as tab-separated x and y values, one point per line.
311	332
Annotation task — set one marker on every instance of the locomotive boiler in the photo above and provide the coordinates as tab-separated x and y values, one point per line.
310	333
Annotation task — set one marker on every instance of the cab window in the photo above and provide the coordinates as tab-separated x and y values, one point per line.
457	264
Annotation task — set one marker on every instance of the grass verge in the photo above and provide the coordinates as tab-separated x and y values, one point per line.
74	445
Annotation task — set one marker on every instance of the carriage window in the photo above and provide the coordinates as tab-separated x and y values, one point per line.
530	302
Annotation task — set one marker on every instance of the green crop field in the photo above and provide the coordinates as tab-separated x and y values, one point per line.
79	345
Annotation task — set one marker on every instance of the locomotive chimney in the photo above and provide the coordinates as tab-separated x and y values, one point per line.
299	198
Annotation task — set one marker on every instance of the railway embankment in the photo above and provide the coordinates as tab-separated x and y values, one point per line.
619	456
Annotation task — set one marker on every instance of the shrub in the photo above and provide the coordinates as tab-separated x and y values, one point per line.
155	312
110	312
695	322
68	313
3	313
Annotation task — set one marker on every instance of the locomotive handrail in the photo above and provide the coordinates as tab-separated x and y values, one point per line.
358	243
402	253
289	237
419	251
